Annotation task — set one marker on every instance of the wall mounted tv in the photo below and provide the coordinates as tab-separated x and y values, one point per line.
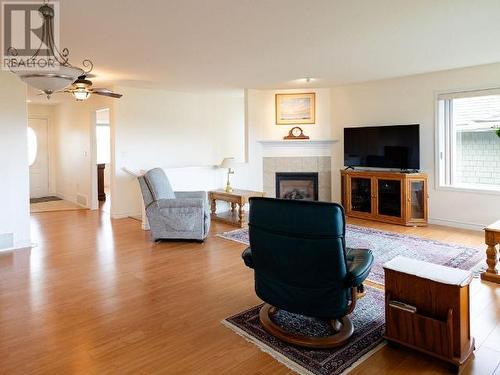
392	147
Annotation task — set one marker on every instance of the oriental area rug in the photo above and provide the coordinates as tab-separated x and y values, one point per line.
367	318
388	245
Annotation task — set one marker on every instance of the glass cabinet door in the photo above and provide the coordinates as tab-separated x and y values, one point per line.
361	194
389	197
417	199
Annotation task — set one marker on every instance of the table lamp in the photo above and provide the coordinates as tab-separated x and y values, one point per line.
229	164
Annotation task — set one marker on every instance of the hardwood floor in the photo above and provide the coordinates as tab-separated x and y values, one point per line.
96	296
61	205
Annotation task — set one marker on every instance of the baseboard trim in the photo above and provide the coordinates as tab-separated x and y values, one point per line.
132	215
456	224
8	249
64	197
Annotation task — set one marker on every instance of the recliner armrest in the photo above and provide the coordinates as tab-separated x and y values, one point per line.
180	203
359	264
247	257
194	194
191	194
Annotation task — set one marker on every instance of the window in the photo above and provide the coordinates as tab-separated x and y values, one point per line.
32	146
469	148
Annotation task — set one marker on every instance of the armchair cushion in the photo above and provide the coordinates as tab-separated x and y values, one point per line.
359	263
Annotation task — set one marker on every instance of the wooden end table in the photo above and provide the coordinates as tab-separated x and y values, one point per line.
492	239
439	324
236	197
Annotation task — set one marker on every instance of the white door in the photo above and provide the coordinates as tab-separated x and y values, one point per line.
39	154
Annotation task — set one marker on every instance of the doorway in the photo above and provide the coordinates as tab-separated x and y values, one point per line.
42	188
103	159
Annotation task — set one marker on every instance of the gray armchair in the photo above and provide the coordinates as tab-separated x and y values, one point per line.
173	215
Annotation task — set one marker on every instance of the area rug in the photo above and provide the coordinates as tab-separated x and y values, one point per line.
388	245
45	199
368	319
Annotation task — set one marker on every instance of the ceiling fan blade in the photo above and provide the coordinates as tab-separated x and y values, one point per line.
106	92
101	89
110	94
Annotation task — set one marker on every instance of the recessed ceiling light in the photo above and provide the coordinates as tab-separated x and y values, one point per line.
28	100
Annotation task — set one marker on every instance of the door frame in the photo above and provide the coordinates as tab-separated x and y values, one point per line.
50	150
94	201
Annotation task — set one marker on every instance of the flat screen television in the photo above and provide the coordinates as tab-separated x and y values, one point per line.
392	147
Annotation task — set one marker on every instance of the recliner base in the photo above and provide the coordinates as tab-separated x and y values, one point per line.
342	326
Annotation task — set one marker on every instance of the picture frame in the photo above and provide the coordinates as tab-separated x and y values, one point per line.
296	108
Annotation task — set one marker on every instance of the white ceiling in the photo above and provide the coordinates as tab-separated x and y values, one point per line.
230	44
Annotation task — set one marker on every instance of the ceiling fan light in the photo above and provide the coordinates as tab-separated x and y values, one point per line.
49	81
81	94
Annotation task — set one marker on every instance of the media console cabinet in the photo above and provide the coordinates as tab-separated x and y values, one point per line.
392	197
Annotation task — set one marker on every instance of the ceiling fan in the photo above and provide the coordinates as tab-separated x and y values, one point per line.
82	89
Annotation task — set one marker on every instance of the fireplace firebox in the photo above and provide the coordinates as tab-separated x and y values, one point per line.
297	185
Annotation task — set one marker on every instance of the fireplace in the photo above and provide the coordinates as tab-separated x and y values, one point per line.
297	185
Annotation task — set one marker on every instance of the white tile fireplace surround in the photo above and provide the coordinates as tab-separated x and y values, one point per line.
314	164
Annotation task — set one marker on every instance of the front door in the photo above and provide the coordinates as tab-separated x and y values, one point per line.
39	154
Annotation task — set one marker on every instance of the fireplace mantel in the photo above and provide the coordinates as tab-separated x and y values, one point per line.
309	147
297	143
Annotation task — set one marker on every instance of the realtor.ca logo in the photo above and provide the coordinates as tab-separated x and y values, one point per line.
23	31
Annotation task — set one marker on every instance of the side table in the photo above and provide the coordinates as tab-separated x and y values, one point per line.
427	309
235	198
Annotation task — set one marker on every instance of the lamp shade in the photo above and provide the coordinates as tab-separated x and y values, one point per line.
227	163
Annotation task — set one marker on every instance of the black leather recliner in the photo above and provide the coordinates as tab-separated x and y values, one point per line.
298	252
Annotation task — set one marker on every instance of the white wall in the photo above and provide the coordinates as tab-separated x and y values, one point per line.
14	186
169	129
261	125
411	100
73	139
267	119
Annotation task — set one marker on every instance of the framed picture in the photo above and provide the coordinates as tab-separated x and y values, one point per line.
296	108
